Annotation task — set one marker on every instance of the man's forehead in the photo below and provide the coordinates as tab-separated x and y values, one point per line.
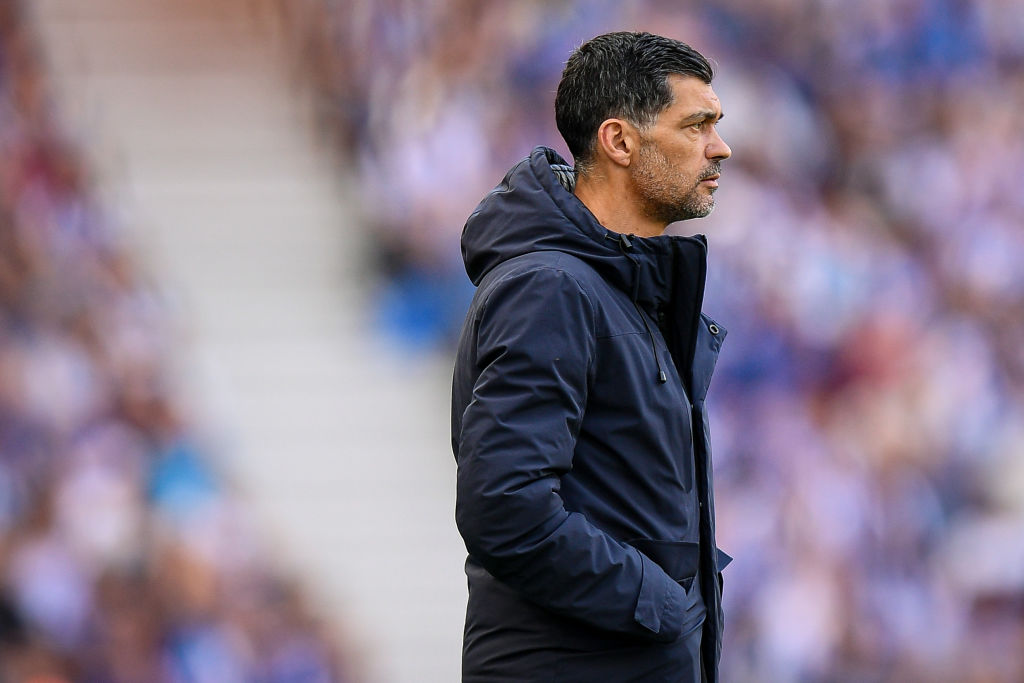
691	93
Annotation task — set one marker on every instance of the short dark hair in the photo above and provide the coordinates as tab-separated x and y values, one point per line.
619	75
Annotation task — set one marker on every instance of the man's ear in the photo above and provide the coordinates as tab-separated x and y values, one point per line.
618	140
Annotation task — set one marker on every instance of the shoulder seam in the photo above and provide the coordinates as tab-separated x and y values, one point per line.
551	267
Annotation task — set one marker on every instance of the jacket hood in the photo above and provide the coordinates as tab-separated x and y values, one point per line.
534	209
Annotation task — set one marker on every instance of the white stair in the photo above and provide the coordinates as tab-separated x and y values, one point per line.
205	151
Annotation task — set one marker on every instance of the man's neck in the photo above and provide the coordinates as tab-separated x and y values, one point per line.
614	208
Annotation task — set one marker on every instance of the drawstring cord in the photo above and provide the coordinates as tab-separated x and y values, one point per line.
624	244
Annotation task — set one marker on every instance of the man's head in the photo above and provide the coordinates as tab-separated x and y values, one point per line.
640	107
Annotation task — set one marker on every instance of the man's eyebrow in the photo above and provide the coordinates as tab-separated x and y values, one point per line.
704	115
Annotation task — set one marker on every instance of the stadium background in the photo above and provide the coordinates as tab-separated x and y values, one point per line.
230	279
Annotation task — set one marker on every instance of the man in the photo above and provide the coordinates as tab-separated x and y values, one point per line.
578	423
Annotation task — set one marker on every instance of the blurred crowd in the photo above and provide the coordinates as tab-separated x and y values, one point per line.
125	557
865	254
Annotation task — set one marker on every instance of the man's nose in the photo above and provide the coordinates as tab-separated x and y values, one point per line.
717	149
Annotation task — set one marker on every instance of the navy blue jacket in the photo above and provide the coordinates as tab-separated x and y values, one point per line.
584	490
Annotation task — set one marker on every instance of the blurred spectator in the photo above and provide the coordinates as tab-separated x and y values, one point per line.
869	423
123	556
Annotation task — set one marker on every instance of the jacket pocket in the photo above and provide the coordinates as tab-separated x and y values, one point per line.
679	559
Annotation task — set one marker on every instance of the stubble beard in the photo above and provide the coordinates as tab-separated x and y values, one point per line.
667	197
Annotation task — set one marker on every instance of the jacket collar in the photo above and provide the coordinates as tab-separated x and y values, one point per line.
534	209
659	269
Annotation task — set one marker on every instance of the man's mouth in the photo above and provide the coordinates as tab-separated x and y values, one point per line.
712	175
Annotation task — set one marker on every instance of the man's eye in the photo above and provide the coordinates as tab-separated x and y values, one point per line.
698	126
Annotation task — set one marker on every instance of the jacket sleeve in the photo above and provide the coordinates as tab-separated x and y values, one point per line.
535	344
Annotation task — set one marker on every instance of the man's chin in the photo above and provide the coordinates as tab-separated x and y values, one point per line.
700	211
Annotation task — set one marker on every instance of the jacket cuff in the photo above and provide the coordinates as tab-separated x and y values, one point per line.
659	607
